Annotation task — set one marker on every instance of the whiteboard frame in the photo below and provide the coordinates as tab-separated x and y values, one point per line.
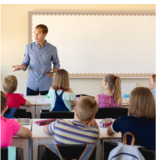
118	13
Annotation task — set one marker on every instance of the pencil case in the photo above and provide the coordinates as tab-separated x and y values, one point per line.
44	122
105	123
126	95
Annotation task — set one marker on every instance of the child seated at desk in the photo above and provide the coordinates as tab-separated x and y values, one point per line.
13	99
152	85
112	92
83	130
9	127
60	94
140	120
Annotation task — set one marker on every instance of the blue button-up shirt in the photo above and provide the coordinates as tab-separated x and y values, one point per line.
39	62
154	94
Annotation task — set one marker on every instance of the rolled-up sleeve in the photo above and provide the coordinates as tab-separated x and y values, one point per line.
26	59
55	59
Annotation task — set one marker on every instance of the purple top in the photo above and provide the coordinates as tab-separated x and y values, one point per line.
104	101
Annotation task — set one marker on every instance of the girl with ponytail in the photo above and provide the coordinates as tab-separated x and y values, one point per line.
112	92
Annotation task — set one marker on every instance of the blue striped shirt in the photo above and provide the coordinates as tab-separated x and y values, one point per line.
73	132
40	61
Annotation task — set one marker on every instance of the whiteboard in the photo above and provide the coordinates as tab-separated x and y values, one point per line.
126	88
101	44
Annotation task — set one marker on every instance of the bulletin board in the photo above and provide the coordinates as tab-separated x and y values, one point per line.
93	44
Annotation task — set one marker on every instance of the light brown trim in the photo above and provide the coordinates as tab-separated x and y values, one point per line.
107	13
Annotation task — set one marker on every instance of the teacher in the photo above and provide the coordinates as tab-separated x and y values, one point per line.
39	56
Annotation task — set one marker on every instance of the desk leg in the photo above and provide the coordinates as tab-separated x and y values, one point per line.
98	149
38	111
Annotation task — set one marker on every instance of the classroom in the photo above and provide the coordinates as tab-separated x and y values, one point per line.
18	22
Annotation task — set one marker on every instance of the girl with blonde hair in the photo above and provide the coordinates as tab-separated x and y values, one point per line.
60	93
112	92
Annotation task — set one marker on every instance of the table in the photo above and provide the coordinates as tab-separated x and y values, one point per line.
40	138
24	143
32	108
42	105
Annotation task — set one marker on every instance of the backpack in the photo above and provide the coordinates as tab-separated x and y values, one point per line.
126	152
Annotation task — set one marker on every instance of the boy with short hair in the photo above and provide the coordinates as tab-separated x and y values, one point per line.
82	130
13	99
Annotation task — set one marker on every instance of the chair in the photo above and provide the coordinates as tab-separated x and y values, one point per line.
20	113
59	115
4	153
68	152
111	112
108	146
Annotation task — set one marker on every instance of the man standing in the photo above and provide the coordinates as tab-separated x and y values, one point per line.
38	56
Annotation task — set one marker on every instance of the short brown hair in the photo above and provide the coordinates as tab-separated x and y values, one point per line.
61	80
3	101
86	108
10	84
43	27
114	83
142	103
154	77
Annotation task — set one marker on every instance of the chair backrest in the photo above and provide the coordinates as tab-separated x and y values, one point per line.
4	154
20	113
111	112
68	152
59	115
108	146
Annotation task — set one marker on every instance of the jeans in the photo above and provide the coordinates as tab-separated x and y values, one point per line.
31	92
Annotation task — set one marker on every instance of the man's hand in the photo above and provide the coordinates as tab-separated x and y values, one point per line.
19	67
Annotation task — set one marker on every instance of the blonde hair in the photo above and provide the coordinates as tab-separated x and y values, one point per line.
142	103
3	101
114	83
86	108
10	84
61	80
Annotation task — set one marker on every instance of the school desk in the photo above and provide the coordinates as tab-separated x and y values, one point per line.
40	138
32	108
24	143
42	103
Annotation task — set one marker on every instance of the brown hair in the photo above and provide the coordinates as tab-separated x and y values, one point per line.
154	77
114	83
61	80
86	108
43	27
3	101
142	103
10	84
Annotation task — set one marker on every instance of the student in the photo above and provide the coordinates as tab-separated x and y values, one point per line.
60	94
83	130
9	127
112	92
140	120
13	99
152	85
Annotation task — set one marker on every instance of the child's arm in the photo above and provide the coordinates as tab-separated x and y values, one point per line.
74	102
93	123
110	131
45	130
27	103
24	132
121	102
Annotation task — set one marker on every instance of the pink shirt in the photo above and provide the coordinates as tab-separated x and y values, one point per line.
9	127
15	100
104	101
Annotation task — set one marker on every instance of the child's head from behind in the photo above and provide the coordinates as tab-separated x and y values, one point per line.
142	103
10	84
152	82
86	108
3	101
113	83
61	80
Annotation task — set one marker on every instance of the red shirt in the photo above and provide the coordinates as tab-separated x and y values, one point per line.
15	100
